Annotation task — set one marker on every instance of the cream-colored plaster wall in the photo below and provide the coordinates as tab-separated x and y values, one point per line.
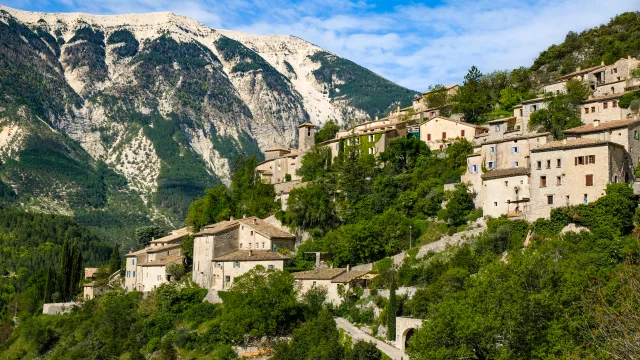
130	269
249	239
497	193
527	110
473	177
436	127
572	188
559	87
153	276
202	255
615	87
597	111
332	289
222	269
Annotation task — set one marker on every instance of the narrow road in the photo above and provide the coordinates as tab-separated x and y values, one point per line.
357	334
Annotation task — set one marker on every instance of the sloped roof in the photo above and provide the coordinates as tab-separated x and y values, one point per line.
584	129
174	235
475	154
572	144
604	98
252	255
307	124
455	121
501	173
218	227
277	148
319	274
521	137
166	261
581	71
349	275
501	120
266	229
162	248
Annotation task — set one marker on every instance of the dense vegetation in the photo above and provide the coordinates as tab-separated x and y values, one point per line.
128	44
361	88
617	39
360	212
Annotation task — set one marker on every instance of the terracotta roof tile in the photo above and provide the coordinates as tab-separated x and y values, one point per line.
90	272
252	255
175	235
584	129
319	274
455	121
572	144
501	173
161	262
603	98
266	229
349	275
581	71
277	148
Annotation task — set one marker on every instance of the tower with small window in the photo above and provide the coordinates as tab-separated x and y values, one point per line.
306	137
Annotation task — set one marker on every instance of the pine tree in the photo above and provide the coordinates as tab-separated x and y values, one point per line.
391	310
115	263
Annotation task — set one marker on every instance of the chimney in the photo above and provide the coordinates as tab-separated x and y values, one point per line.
596	123
230	218
376	117
255	221
602	63
331	266
578	68
244	216
348	268
564	141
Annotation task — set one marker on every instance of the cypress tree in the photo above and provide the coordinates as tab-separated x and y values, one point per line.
391	310
115	263
49	286
76	270
64	272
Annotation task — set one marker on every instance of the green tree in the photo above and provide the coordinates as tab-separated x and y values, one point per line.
315	164
392	307
145	234
214	206
562	112
363	350
472	98
403	154
115	263
438	97
459	205
64	271
316	340
249	194
327	132
311	207
50	285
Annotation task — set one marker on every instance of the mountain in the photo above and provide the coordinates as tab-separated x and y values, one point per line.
124	120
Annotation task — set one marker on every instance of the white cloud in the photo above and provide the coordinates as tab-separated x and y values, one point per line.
416	45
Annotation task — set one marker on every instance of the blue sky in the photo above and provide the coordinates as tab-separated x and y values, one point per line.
415	44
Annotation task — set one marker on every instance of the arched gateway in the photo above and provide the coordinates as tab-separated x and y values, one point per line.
405	328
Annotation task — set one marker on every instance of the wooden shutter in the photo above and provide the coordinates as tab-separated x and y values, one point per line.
589	180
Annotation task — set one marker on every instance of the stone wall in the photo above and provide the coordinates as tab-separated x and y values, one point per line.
58	308
498	192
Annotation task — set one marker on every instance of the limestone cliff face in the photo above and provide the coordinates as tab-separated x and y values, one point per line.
154	107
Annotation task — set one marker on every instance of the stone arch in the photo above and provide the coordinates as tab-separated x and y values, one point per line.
406	336
405	328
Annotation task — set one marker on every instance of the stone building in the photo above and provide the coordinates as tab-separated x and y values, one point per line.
603	108
146	269
228	249
280	164
439	132
335	280
601	79
574	171
624	132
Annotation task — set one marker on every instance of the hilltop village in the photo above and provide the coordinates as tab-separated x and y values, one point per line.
514	171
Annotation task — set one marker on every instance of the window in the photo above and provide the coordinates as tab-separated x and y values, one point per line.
588	180
240	245
550	199
586	110
134	274
514	164
249	245
591	159
586	199
444	135
636	135
441	146
371	138
605	105
558	163
236	264
251	233
495	203
613	91
506	183
372	151
490	165
515	149
159	277
521	113
579	160
614	70
133	261
492	150
548	164
227	278
128	273
539	165
428	137
263	244
308	131
462	133
497	128
543	181
593	109
270	267
614	103
357	141
558	180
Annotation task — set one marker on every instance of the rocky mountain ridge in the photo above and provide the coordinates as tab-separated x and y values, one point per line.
155	108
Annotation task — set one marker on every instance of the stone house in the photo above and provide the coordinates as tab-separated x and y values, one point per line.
506	192
574	171
439	132
603	108
146	269
281	163
335	280
421	104
228	249
624	132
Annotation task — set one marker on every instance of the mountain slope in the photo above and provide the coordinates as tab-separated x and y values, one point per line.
133	116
